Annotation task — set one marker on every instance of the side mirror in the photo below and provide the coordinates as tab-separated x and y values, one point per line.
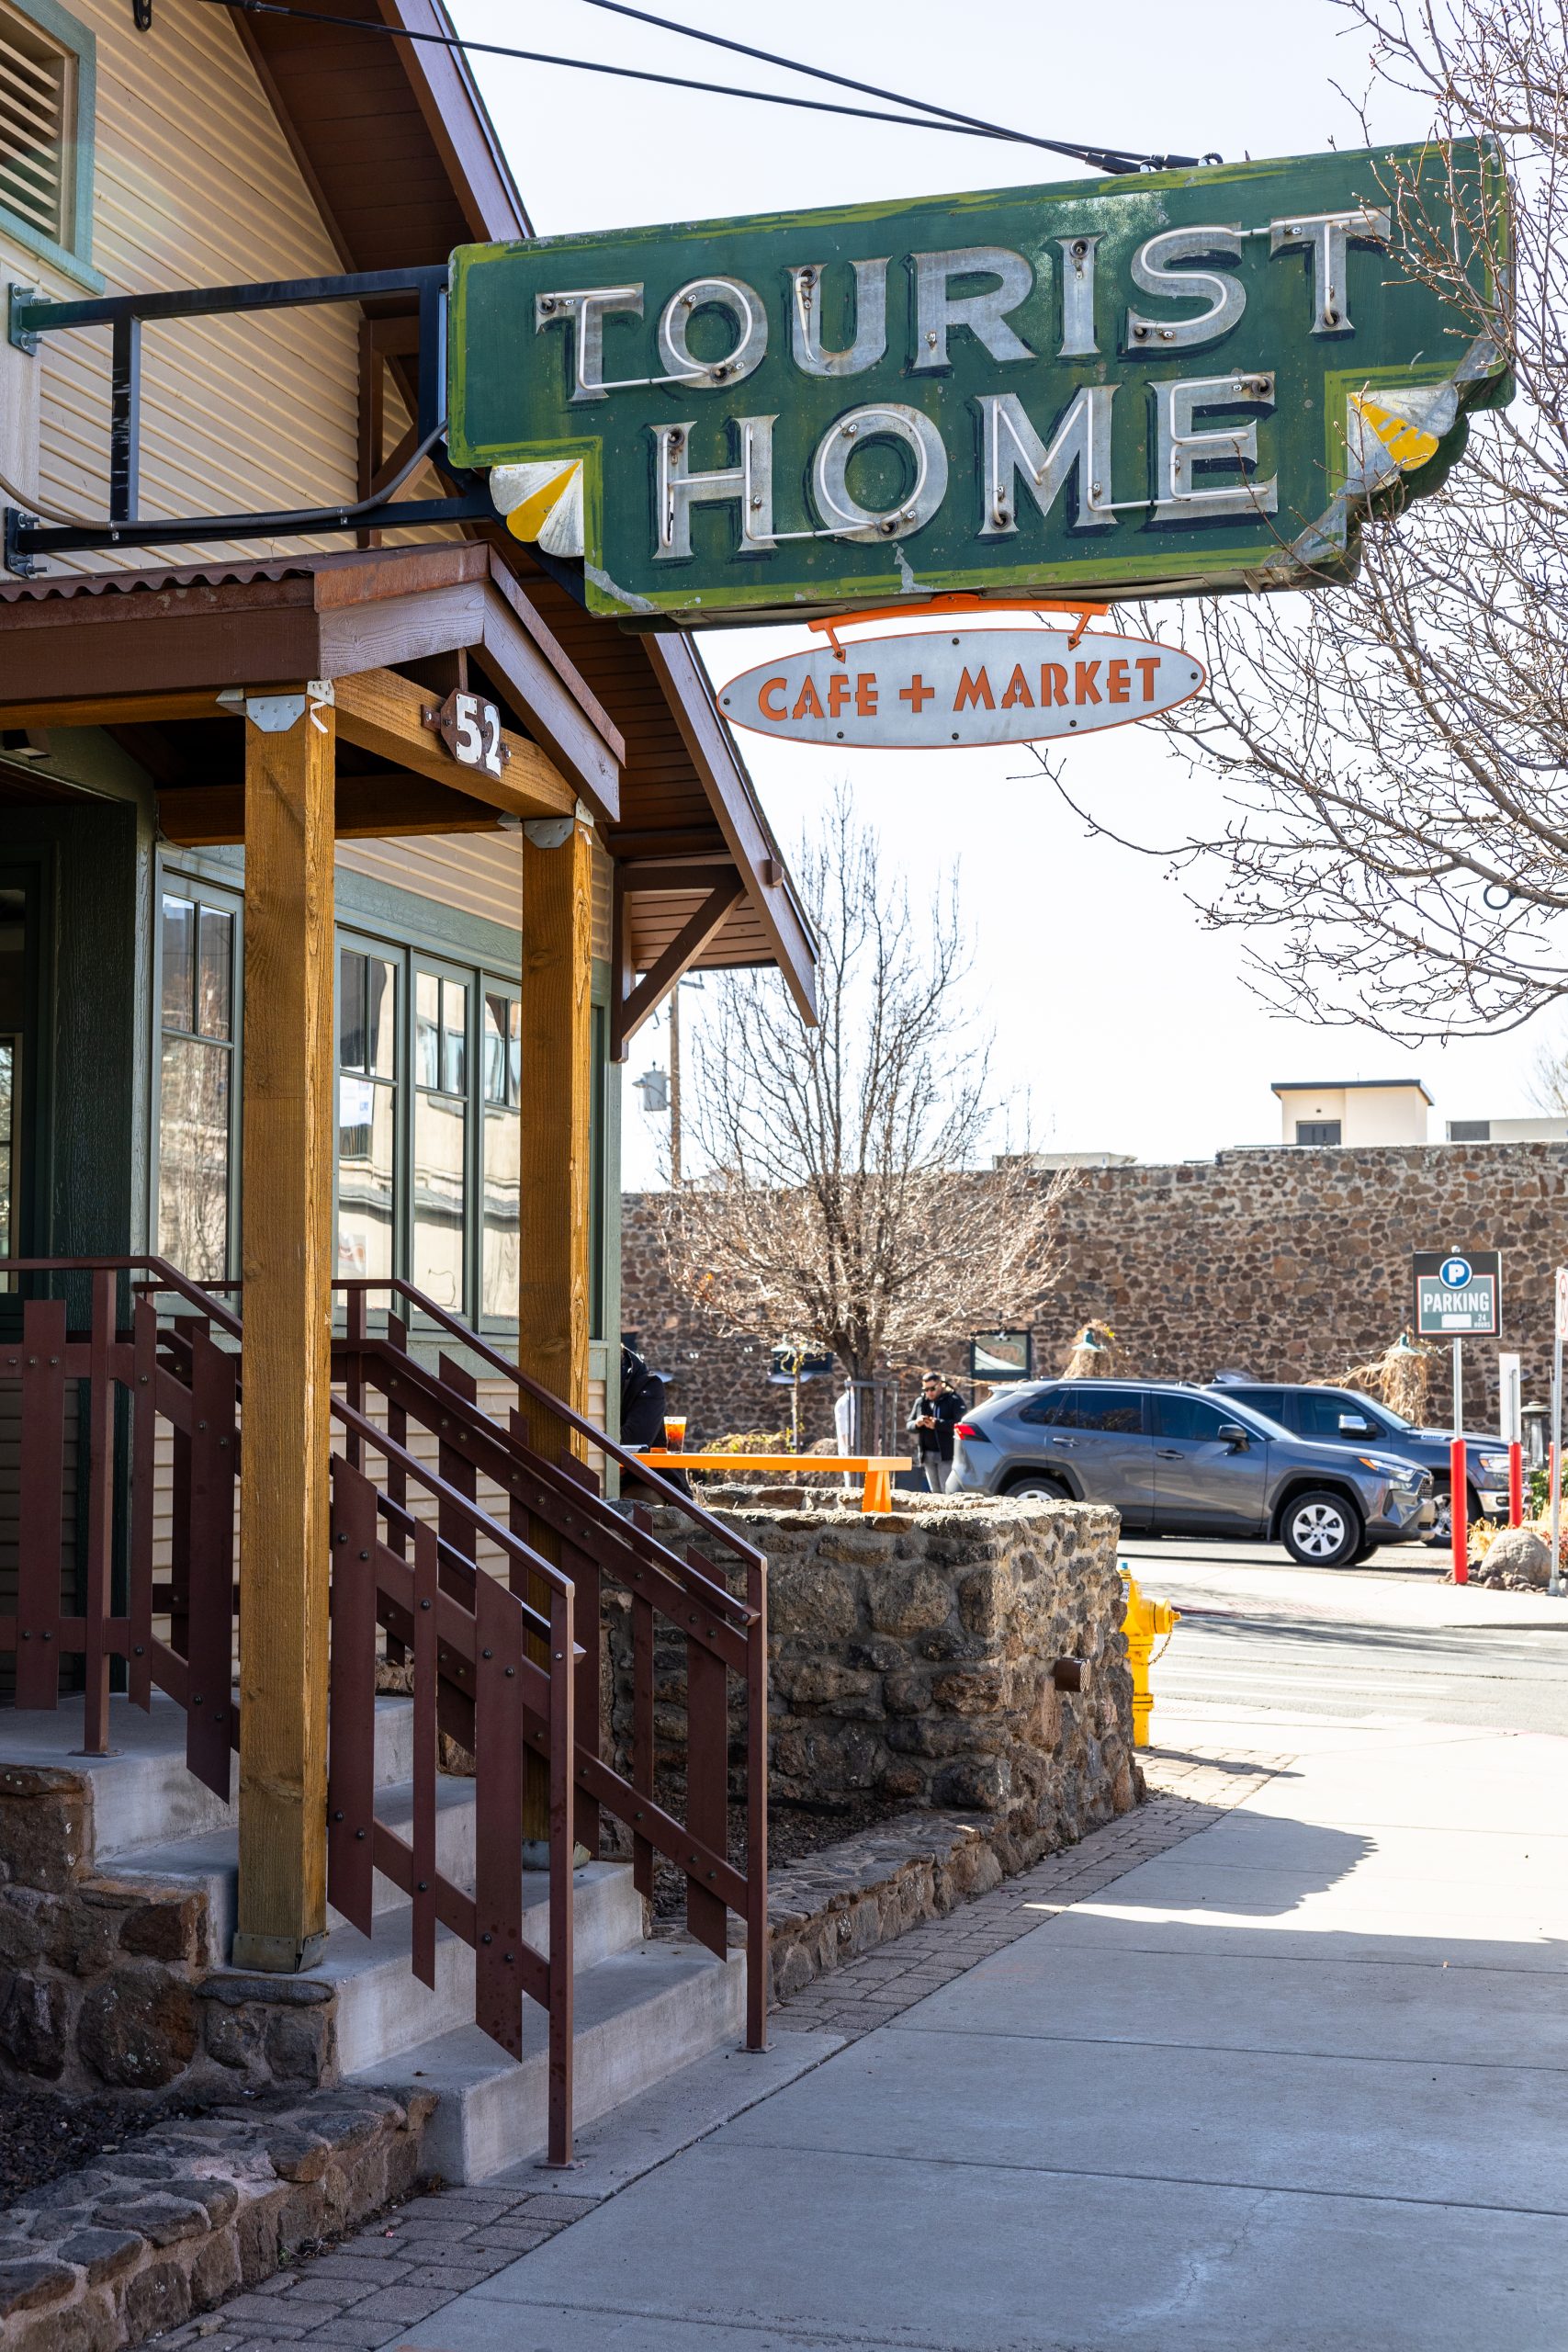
1234	1436
1355	1425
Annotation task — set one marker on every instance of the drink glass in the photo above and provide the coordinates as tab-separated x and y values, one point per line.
675	1433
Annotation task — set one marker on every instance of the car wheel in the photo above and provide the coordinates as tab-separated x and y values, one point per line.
1049	1490
1321	1530
1364	1554
1441	1536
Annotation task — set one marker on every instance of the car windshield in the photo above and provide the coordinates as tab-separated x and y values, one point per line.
1384	1416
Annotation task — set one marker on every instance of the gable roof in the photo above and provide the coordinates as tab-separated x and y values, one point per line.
392	136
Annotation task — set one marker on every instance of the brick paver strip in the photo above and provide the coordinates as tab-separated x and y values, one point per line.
399	2269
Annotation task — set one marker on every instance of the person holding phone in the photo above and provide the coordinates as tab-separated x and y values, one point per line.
932	1419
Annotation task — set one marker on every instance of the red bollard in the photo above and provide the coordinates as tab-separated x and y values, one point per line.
1515	1485
1458	1509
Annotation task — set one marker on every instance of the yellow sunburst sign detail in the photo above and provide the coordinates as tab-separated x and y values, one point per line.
542	502
1406	444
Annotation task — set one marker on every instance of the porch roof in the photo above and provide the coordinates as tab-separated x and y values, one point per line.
628	721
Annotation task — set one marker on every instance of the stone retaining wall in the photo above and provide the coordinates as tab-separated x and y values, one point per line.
1289	1264
191	2210
913	1654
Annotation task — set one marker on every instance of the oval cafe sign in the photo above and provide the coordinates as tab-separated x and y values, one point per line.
1183	381
932	689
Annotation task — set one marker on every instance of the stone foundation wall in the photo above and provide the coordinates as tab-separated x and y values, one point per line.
914	1655
109	1981
1288	1264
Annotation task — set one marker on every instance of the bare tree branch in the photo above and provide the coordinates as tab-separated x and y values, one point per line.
1388	756
829	1215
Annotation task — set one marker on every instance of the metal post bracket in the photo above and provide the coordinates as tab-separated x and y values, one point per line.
20	337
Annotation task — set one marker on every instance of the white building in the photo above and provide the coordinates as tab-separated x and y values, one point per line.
1353	1111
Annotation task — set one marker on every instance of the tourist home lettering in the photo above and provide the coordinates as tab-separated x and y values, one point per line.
1154	384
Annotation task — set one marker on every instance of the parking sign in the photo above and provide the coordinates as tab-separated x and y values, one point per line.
1458	1293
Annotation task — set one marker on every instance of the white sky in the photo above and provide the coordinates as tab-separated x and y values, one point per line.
1126	1025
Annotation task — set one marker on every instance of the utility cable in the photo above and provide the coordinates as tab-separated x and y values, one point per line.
1105	159
961	126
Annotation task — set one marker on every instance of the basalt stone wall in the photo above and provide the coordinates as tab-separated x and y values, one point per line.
915	1656
1287	1264
113	1982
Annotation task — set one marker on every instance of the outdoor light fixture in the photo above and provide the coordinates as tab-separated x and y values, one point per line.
1534	1420
654	1088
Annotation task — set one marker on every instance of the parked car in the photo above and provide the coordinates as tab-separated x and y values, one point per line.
1344	1416
1181	1461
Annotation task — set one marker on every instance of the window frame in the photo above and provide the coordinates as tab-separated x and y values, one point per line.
410	960
171	881
486	983
420	965
1321	1140
75	257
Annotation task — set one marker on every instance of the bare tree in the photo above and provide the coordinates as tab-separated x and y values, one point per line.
829	1210
1390	753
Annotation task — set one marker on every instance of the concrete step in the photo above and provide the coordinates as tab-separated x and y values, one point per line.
143	1793
641	2016
212	1861
382	2007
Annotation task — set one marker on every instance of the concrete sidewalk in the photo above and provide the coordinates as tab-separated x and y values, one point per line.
1298	2084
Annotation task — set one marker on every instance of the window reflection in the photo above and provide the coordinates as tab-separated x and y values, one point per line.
367	1104
193	1158
500	1268
440	1132
195	1102
438	1260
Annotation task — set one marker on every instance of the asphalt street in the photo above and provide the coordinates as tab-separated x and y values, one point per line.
1388	1642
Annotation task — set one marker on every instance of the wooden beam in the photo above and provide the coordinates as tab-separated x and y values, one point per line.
638	877
553	1289
114	710
678	957
539	679
691	841
688	689
382	712
368	808
287	1258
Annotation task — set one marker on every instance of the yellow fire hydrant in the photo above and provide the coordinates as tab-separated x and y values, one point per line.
1144	1620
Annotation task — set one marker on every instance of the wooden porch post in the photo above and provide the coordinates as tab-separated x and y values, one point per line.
286	1263
553	1304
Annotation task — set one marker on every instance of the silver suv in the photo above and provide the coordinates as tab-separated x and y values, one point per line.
1181	1461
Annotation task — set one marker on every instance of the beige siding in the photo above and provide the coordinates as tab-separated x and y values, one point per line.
194	186
478	874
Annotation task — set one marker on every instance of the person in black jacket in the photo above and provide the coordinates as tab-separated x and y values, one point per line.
642	1421
932	1416
642	1400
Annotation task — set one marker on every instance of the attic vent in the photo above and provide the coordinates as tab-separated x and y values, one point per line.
37	105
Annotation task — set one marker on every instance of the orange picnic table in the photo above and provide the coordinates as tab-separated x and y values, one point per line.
875	1468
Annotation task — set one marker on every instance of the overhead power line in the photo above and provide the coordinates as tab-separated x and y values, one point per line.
1104	159
962	126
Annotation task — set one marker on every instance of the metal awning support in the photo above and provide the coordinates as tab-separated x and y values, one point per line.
28	539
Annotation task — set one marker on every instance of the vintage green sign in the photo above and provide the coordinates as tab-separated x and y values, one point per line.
1142	386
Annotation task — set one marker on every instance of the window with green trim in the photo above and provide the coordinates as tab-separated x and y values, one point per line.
429	1151
198	951
47	98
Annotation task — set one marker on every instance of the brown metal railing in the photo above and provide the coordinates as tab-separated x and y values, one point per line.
505	1664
